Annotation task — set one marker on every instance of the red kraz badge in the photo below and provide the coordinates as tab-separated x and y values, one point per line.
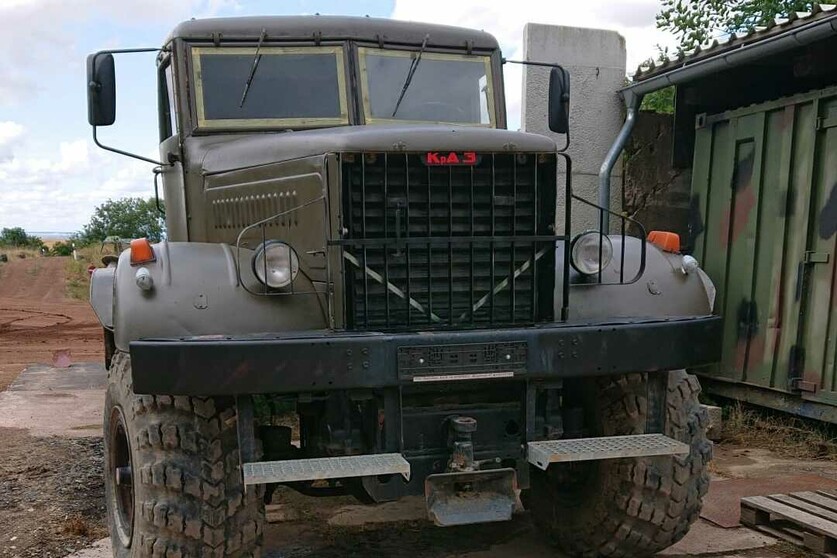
450	158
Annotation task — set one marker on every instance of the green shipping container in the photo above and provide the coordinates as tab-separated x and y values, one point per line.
764	199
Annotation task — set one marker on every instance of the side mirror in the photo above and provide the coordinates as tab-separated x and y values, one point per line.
559	101
101	90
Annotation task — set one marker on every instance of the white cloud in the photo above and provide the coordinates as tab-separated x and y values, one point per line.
60	191
633	19
38	36
10	132
74	155
49	178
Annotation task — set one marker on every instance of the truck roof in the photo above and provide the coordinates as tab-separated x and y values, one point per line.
287	28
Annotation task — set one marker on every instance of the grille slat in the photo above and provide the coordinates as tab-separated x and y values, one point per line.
458	279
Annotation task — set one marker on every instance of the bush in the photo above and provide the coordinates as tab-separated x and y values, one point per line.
62	249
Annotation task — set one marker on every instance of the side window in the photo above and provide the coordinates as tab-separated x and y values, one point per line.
165	101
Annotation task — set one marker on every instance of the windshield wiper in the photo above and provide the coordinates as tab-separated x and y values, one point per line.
410	73
256	61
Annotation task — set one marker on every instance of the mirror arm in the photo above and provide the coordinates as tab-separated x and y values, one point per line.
531	63
126	153
545	65
95	136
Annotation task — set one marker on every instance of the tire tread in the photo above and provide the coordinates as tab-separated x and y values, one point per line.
193	502
641	505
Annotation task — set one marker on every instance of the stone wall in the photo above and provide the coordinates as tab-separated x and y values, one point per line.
655	194
596	61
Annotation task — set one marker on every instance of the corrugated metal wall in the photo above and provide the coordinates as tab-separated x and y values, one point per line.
764	199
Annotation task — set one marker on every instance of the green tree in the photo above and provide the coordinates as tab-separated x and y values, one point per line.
16	237
662	100
697	22
125	218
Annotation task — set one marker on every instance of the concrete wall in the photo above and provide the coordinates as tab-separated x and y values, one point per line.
596	62
656	194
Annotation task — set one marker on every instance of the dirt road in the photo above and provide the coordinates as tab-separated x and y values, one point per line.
36	317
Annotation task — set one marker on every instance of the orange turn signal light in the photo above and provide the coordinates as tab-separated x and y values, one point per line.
665	240
141	251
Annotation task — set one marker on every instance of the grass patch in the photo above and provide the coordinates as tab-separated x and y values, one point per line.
78	279
784	434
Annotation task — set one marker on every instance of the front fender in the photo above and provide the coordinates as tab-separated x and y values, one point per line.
663	291
101	294
196	292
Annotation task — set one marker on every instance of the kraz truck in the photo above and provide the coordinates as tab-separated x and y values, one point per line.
370	286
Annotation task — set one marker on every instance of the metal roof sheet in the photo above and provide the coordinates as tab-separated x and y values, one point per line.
776	29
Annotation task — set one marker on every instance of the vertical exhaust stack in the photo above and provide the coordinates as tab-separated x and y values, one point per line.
632	103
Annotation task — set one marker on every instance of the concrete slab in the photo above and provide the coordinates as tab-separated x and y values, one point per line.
40	377
56	401
705	538
595	59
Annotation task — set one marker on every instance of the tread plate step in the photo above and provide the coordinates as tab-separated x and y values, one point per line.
294	470
541	454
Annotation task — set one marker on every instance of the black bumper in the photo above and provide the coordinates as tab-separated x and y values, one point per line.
316	361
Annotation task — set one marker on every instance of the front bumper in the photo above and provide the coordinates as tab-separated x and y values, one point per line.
293	362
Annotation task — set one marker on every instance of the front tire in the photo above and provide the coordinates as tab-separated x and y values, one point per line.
628	507
173	482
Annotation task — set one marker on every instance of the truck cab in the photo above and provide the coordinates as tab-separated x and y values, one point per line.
355	240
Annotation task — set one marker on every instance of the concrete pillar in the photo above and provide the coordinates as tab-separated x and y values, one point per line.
596	61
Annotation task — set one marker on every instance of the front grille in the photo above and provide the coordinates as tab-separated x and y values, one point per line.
448	246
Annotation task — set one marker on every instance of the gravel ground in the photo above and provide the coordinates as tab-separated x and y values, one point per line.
51	494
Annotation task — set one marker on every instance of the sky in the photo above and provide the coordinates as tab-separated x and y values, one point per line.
52	176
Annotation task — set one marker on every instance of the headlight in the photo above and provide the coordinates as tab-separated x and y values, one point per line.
275	264
585	252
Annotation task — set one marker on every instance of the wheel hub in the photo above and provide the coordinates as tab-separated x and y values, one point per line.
121	473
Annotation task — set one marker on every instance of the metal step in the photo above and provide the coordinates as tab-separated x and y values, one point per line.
295	470
541	454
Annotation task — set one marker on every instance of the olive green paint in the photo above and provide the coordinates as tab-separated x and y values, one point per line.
767	240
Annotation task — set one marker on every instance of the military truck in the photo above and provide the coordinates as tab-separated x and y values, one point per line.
370	286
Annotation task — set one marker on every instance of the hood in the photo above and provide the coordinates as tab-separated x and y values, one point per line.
218	155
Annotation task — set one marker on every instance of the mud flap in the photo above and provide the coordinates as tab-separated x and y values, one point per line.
472	497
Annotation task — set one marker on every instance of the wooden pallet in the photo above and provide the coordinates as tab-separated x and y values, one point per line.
805	518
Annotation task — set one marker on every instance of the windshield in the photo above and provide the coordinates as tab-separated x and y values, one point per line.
446	88
290	87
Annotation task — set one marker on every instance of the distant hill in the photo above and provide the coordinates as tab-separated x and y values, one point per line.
53	236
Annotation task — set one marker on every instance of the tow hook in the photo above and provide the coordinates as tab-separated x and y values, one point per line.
462	456
465	494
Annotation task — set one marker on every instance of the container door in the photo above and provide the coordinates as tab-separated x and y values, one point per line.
812	364
727	190
752	203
